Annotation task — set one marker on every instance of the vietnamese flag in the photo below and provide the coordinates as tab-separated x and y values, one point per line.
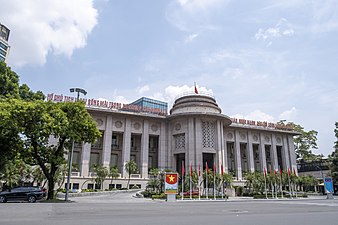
196	91
281	171
190	170
222	170
183	171
289	172
171	179
264	172
294	171
206	167
214	167
199	170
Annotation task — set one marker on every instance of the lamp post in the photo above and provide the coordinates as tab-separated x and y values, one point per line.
70	155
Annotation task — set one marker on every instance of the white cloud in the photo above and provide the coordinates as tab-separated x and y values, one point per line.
143	89
121	99
282	28
190	38
189	15
39	28
288	115
258	115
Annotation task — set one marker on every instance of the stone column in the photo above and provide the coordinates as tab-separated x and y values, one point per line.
219	155
274	152
223	149
238	156
169	155
262	152
190	151
162	147
145	149
198	143
285	153
107	139
226	166
292	153
126	146
85	157
250	153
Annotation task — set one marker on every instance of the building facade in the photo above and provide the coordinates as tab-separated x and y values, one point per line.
4	47
195	132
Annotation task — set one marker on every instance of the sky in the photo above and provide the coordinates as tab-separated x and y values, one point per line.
263	60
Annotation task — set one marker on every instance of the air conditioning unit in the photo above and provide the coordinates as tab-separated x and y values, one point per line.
75	174
92	174
135	176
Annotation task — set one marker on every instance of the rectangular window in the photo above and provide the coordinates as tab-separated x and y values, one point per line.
113	160
76	186
94	160
90	186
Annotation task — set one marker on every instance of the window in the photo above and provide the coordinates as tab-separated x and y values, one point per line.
208	132
113	160
94	159
76	186
90	186
179	141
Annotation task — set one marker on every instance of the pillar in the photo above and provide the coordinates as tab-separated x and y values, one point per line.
145	149
238	156
85	157
107	139
126	146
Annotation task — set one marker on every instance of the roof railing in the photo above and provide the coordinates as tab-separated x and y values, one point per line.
192	93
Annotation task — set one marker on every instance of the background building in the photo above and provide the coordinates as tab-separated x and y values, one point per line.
4	47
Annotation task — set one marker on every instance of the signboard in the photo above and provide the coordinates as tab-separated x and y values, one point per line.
328	185
171	184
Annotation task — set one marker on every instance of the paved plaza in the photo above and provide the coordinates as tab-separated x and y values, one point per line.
123	209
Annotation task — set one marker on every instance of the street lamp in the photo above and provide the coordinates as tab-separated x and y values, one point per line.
70	156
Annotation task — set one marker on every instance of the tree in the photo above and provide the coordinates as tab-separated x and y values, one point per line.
304	142
130	167
113	174
37	121
101	174
334	157
10	141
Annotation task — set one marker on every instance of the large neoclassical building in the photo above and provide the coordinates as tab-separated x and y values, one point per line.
194	131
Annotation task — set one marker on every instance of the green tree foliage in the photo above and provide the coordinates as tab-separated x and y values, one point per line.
130	167
9	82
113	173
10	89
305	142
35	122
334	157
101	174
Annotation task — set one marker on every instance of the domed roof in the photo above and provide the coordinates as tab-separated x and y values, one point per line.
192	104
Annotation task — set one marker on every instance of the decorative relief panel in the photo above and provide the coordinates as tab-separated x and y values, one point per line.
179	141
118	124
154	127
255	137
178	126
208	131
267	139
279	140
230	136
99	122
137	126
243	136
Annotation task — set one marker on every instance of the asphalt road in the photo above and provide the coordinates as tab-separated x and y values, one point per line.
122	209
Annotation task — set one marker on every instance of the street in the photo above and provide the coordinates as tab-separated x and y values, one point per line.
122	209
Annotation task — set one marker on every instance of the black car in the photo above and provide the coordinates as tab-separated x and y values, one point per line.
30	194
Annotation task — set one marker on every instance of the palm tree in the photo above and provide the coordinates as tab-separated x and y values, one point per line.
113	173
10	174
101	173
130	167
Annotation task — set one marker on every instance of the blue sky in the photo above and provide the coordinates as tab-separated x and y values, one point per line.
262	60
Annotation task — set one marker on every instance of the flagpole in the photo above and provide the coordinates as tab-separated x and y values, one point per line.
290	193
199	182
183	179
222	172
266	191
272	189
206	178
190	181
214	181
281	182
276	194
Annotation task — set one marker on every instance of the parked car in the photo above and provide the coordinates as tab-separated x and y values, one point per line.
29	194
